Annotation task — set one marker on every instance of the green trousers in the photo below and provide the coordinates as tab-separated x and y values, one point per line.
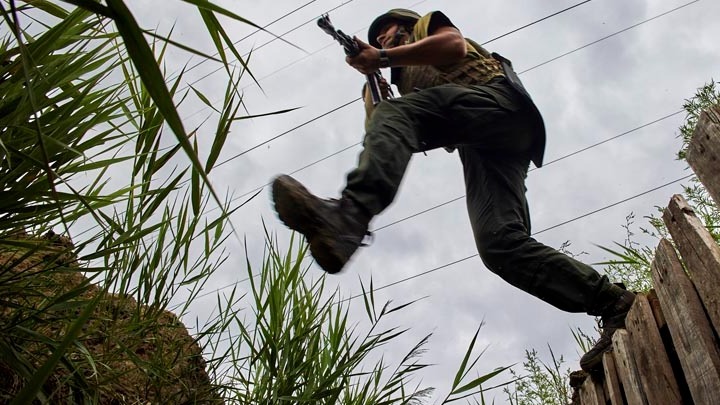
490	127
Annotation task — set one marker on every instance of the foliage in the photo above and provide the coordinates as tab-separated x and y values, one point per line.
706	96
305	349
83	99
631	261
542	384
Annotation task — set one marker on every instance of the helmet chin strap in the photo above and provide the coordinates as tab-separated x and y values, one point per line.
400	34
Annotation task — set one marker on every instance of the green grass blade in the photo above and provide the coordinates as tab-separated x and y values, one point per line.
92	6
33	387
144	60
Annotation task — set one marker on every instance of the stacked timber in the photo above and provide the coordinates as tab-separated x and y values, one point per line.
669	352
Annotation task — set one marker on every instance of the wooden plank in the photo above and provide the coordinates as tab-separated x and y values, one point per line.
692	335
612	383
591	392
703	153
656	309
699	251
626	368
653	364
577	378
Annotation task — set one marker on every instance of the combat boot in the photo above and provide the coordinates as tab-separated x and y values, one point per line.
612	319
333	228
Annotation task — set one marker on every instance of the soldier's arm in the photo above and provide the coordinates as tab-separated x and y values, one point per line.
446	45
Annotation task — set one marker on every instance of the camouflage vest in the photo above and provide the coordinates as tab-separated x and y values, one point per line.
477	68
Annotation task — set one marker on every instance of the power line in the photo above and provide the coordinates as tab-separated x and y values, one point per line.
285	33
300	169
287	132
308	54
279	19
420	2
268	42
536	21
251	34
610	36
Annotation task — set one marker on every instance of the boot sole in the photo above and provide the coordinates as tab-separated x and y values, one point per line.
302	218
299	217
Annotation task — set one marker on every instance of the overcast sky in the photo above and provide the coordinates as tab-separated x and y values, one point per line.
603	90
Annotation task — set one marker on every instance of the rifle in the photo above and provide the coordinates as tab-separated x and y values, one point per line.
351	49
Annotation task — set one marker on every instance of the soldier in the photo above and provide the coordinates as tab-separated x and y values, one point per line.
456	95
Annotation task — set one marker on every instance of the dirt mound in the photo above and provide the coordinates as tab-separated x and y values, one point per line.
127	353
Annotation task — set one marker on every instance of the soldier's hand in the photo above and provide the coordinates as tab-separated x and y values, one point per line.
367	60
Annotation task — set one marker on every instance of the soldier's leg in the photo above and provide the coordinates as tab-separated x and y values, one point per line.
399	128
431	118
501	224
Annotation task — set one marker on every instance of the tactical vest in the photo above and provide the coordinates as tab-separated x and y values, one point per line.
477	68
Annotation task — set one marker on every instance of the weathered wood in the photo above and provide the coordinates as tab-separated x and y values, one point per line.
692	335
656	309
700	253
626	368
612	383
591	392
703	152
653	364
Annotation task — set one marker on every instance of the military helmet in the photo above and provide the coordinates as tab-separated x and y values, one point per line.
396	14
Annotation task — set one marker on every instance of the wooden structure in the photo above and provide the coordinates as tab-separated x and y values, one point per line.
669	352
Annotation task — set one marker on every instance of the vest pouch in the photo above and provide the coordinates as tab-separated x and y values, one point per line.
510	74
538	148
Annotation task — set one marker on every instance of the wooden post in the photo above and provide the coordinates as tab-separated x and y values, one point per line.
656	375
627	370
591	392
703	152
612	383
692	335
699	251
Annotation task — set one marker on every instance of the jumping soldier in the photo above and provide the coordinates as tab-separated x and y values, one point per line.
454	94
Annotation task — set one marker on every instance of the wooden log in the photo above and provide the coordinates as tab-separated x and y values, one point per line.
653	364
612	383
699	251
591	392
626	368
692	335
703	153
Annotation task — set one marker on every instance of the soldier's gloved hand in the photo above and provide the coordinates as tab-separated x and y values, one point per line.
367	61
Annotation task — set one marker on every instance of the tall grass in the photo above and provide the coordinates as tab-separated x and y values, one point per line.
301	346
92	147
108	214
